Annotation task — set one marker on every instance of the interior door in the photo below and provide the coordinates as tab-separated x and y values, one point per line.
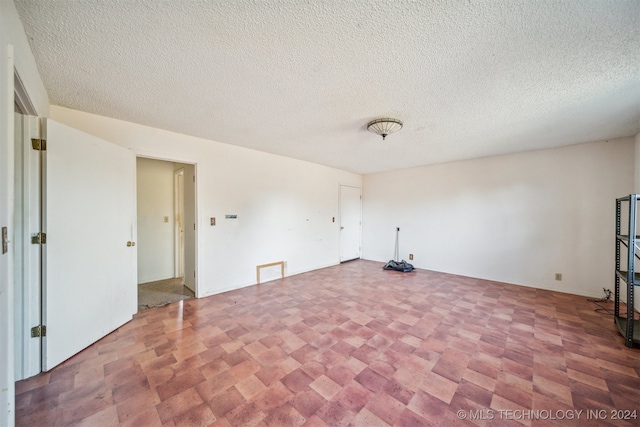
350	222
90	255
189	196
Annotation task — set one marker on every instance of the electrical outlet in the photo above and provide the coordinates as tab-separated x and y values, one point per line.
410	257
558	276
166	219
213	221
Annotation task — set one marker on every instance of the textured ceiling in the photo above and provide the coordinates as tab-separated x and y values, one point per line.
302	78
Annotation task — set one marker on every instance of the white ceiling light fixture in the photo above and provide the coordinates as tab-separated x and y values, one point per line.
384	126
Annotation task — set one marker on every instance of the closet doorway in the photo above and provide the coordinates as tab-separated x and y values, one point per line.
166	232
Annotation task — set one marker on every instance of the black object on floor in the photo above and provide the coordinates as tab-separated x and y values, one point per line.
403	266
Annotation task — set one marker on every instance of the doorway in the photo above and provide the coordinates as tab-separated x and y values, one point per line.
166	232
350	222
27	257
27	219
55	197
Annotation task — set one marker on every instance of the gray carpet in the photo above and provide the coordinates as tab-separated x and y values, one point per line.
162	292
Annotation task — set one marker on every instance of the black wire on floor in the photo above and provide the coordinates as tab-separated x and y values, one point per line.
597	301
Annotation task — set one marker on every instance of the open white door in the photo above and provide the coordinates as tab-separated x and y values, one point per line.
190	222
350	222
90	254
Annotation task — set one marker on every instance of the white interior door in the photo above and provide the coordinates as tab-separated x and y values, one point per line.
350	222
190	222
90	254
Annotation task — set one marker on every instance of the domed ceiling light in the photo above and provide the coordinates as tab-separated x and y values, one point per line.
384	126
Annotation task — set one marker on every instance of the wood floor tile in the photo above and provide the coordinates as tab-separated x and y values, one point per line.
284	415
148	417
223	403
354	396
245	414
334	413
106	417
178	404
385	407
346	345
130	408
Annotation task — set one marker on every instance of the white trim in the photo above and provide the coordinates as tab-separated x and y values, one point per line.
7	363
21	97
179	225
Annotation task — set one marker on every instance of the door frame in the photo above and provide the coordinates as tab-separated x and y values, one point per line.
7	332
154	156
28	283
179	225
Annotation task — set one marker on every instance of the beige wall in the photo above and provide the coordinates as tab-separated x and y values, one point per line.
518	218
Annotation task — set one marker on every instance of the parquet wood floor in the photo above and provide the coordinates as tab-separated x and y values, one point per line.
350	345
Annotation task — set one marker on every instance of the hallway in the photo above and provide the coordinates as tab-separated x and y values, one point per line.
162	292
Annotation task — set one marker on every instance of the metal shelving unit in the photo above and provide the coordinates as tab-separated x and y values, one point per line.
628	327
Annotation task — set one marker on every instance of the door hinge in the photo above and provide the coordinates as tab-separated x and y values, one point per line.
39	331
39	239
5	240
39	144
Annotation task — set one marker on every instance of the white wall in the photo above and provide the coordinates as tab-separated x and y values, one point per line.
155	236
518	218
284	206
14	52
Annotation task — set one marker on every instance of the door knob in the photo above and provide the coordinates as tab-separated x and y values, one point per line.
129	244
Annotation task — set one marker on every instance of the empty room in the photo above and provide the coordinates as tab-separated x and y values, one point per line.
381	213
